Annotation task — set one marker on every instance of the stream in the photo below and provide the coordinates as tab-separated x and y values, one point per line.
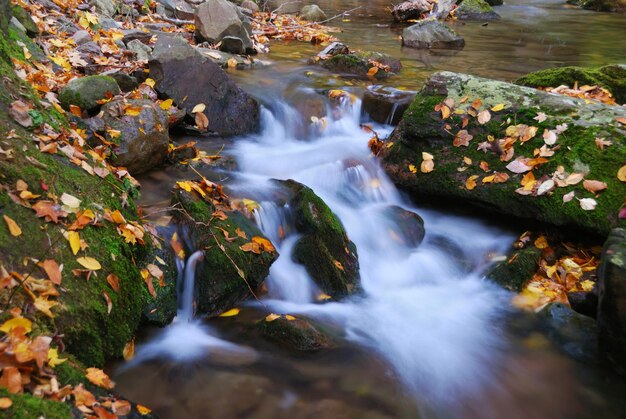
429	337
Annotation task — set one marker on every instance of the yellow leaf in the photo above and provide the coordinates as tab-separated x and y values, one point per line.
99	378
250	204
541	242
232	63
132	110
5	403
265	244
200	107
271	317
44	305
166	104
53	357
372	71
89	263
129	350
74	238
621	173
117	217
61	63
150	82
323	297
498	107
587	285
470	183
14	229
427	166
143	410
185	185
16	322
489	179
289	317
230	313
412	168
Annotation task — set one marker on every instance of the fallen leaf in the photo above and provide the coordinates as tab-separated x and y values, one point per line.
594	186
549	137
588	204
264	243
129	350
114	282
568	196
271	317
483	117
470	183
200	107
53	357
601	143
14	229
230	313
517	166
98	377
462	138
498	107
53	271
11	379
89	263
108	301
202	122
540	117
372	71
412	168
545	187
5	403
19	111
166	104
74	238
621	173
574	178
143	410
44	305
541	242
16	322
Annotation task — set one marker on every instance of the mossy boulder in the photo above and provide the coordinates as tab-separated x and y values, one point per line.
312	13
324	249
25	20
514	272
26	406
601	5
476	10
611	77
422	129
495	2
360	63
144	138
295	334
227	274
85	92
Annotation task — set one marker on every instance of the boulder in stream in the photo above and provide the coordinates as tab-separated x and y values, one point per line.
476	10
312	13
514	272
216	19
85	92
294	333
601	5
189	78
515	131
386	105
413	9
233	267
430	33
324	249
361	63
612	299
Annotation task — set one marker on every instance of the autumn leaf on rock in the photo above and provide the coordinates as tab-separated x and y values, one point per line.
202	122
44	305
601	143
14	228
74	238
89	263
19	111
412	168
129	350
588	204
470	183
498	107
53	270
540	117
114	282
568	196
53	358
428	163
17	322
484	117
517	166
271	317
594	186
98	377
621	173
49	210
462	138
230	313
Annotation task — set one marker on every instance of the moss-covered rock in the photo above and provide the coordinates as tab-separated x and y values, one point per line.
423	130
601	5
611	77
324	249
360	63
227	274
517	270
26	406
25	20
476	10
85	92
295	334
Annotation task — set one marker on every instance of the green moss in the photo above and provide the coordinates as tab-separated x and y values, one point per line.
611	77
85	92
296	334
517	270
359	64
26	406
70	372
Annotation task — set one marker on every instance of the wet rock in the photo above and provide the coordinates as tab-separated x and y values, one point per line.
611	77
423	129
405	226
612	299
514	272
141	50
386	105
409	10
312	13
216	19
85	92
144	138
126	82
324	249
574	334
430	33
457	254
584	302
136	34
283	6
222	58
106	8
308	103
233	45
359	64
601	5
219	285
295	334
336	48
495	2
179	69
81	37
476	10
250	5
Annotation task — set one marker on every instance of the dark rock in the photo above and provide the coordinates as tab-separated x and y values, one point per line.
430	33
178	9
108	23
457	254
359	63
144	138
407	227
517	270
141	50
179	70
85	92
81	37
495	2
409	10
601	5
295	334
308	103
476	10
612	299
574	334
219	285
336	48
126	82
611	77
386	105
136	34
216	19
584	302
233	45
312	13
324	249
89	48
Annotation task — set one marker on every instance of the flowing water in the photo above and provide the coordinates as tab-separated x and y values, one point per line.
429	337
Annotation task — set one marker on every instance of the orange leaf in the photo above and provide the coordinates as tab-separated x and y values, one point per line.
99	378
114	282
53	270
14	229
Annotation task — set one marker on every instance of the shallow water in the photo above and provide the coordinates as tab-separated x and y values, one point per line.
428	337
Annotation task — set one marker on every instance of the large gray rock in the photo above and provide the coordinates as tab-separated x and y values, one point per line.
106	8
476	10
250	6
183	74
612	299
141	50
312	13
408	10
430	33
85	92
144	138
217	19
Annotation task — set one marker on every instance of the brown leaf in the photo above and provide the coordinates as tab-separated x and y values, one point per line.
49	210
108	301
11	379
19	112
14	228
99	378
53	270
202	122
594	186
114	282
462	138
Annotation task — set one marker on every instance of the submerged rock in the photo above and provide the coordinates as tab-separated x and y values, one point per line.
601	5
386	105
227	274
144	138
430	33
476	10
405	227
324	249
217	19
611	77
312	13
85	92
179	69
360	64
295	334
423	129
612	299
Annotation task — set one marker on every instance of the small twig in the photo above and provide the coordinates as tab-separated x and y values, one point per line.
178	22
